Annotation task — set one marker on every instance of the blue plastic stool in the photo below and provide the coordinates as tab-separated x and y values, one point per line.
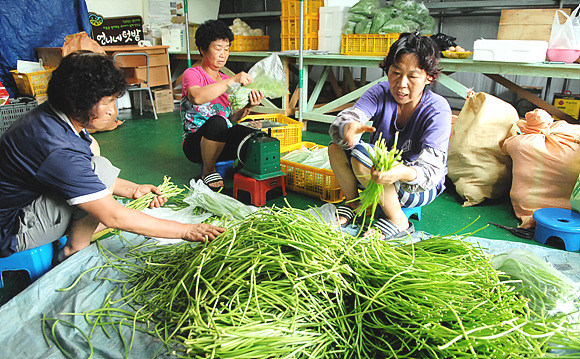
408	211
558	222
224	168
36	261
411	211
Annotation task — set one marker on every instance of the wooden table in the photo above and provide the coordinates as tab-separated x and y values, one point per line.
159	72
312	110
491	69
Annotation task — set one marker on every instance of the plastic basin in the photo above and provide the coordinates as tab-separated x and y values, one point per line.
565	55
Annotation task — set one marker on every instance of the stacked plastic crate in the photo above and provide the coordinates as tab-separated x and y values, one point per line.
290	21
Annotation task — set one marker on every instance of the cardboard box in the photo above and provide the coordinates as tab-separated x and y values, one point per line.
162	98
192	29
569	103
332	20
158	75
174	38
527	24
510	50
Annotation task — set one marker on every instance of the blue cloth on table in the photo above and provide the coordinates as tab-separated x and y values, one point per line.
25	25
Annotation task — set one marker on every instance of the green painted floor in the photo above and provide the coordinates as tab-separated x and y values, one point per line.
146	150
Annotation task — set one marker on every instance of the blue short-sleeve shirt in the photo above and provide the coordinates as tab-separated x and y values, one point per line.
42	153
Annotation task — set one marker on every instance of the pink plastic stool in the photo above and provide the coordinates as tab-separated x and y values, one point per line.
257	188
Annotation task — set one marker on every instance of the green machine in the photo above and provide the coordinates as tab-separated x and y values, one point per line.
262	157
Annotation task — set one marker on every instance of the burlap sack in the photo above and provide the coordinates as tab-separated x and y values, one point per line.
477	166
80	41
546	164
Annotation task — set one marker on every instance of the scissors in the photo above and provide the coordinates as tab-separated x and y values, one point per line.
526	233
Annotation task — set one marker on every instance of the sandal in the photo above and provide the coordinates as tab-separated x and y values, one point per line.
390	230
213	178
346	212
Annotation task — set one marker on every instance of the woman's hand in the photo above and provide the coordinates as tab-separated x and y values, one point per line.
243	78
353	130
201	232
143	189
399	172
256	97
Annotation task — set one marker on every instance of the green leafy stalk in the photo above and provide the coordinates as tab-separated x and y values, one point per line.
168	190
382	160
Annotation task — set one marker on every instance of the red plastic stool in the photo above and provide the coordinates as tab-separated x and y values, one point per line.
257	188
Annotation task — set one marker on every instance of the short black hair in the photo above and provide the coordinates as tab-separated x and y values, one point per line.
423	47
210	31
81	80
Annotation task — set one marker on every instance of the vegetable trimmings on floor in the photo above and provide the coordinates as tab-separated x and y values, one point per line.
282	284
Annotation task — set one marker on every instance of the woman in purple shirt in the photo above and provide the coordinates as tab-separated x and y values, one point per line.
422	119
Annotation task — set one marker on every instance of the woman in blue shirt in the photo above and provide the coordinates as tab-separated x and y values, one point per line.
422	118
50	182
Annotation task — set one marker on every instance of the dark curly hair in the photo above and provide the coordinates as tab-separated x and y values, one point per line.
81	80
424	48
210	31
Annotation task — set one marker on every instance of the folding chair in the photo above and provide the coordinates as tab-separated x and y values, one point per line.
135	83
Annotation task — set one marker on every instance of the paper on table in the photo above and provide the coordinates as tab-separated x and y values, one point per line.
28	66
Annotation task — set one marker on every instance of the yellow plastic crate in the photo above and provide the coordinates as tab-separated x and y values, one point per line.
292	7
250	43
287	135
312	181
32	83
291	25
291	42
367	44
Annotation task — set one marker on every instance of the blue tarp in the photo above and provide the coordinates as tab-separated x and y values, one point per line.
21	334
25	25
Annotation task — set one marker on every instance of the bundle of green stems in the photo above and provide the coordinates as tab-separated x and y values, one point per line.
168	190
282	284
383	159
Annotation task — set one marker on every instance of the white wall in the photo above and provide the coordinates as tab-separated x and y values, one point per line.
201	10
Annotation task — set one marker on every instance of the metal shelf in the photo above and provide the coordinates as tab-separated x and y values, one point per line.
479	7
447	8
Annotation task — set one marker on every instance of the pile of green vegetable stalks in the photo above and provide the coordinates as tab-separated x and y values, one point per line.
281	284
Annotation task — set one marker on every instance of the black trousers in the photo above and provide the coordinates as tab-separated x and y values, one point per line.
216	129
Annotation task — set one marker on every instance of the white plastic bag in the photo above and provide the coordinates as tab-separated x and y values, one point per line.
217	203
184	215
566	35
268	75
575	196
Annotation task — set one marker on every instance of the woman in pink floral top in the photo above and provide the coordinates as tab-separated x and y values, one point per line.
208	133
